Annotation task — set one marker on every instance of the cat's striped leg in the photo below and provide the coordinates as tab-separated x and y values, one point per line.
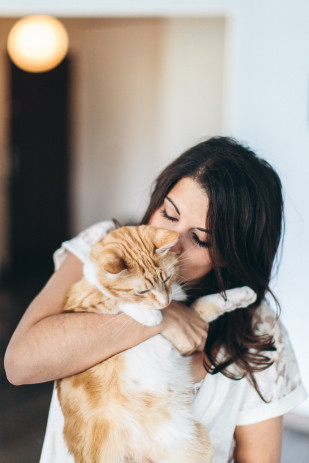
212	306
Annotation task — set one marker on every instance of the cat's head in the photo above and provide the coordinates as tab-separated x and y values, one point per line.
136	264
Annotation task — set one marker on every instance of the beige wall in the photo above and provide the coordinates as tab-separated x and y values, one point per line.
142	90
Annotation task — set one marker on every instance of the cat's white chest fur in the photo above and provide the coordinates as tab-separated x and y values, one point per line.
157	370
156	366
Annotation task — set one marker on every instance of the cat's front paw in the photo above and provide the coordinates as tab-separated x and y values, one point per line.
241	297
212	306
150	317
142	314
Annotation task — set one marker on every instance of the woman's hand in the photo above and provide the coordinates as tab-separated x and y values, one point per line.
184	328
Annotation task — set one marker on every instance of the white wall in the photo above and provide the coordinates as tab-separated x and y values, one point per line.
273	117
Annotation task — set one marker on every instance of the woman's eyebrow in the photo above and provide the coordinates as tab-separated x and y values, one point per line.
172	202
178	212
204	230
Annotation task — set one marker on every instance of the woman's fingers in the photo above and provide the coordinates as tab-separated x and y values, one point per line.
184	328
202	344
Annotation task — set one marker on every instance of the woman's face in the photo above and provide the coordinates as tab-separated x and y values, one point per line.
185	210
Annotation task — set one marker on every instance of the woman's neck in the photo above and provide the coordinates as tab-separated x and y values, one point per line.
198	370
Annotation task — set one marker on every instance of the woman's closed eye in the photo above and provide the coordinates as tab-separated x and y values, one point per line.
203	244
165	215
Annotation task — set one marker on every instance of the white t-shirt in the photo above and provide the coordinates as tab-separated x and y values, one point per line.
221	403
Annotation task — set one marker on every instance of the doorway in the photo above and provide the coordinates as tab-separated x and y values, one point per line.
39	217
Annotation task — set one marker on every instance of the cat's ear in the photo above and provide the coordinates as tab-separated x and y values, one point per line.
113	265
164	239
108	260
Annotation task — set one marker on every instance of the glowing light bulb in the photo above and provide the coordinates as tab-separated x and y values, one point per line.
37	43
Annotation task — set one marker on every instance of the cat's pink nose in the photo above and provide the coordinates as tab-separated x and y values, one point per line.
162	300
164	304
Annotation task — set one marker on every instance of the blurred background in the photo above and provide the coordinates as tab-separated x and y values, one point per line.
84	141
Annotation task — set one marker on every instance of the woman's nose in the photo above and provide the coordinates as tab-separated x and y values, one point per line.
177	248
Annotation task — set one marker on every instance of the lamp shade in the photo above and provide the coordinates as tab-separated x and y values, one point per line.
37	43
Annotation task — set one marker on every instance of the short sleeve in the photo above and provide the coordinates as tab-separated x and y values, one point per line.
81	244
280	384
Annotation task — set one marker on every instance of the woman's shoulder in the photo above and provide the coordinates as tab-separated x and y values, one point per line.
280	384
95	232
82	243
283	376
266	320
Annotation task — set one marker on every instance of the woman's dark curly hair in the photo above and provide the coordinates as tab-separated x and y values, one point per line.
245	219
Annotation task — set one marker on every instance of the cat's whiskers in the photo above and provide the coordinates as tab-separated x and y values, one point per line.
184	283
182	257
170	268
176	294
185	260
184	265
187	250
171	265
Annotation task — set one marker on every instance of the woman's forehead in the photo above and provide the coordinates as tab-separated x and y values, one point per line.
189	199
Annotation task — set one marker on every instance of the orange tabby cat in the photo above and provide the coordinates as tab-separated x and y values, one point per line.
135	406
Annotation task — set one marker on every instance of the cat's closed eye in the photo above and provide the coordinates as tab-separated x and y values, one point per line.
145	291
139	293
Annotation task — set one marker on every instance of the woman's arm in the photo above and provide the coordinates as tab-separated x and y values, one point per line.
260	442
49	344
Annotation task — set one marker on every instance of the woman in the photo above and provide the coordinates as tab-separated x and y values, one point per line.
226	204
